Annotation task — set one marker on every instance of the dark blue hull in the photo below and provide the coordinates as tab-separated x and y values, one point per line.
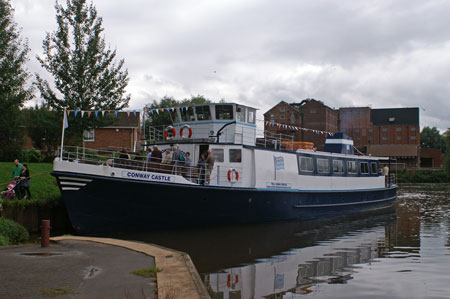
117	205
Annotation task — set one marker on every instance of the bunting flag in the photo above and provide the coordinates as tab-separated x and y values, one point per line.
290	127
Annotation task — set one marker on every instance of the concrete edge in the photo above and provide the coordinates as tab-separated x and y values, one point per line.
196	290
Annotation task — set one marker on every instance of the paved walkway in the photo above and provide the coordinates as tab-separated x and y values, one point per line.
83	267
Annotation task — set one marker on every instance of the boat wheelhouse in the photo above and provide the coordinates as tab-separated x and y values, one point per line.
249	181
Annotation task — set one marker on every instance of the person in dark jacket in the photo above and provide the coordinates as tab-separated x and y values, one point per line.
156	155
25	181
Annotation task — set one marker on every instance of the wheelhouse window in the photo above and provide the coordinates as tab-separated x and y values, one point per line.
187	114
235	155
351	167
306	164
89	135
338	166
373	167
240	114
251	116
323	166
364	166
203	113
218	154
224	112
174	116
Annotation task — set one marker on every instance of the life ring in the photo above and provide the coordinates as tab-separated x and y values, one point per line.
169	128
233	175
186	127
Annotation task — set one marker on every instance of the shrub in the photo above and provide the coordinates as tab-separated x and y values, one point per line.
4	241
31	155
13	231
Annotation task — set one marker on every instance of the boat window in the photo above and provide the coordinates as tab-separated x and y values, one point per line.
203	113
235	155
373	167
224	111
251	116
218	154
338	166
364	166
240	114
187	114
351	167
306	164
174	115
323	165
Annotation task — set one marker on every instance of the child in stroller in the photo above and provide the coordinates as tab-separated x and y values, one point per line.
9	191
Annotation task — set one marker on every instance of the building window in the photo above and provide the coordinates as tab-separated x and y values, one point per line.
413	137
364	166
384	138
272	117
218	154
282	116
338	166
351	167
357	130
370	130
306	164
292	118
413	129
235	155
313	111
323	165
384	129
398	129
370	138
283	109
224	112
398	137
89	135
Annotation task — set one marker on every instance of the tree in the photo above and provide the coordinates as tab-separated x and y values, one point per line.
447	154
84	69
431	138
14	91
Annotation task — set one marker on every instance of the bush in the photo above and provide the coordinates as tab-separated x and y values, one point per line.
4	241
14	232
30	155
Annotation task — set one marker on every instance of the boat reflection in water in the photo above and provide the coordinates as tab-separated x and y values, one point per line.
320	253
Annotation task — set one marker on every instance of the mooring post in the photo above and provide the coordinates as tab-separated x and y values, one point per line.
45	233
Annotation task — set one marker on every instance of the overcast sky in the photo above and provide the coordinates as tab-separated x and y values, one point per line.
384	54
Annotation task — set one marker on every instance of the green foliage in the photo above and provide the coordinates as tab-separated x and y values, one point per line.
54	292
13	81
166	118
83	68
4	241
30	155
147	272
431	138
15	232
447	153
422	176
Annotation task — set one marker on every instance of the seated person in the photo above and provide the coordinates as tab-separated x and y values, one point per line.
167	158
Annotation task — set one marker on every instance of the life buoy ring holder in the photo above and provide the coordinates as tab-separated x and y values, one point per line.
172	129
182	129
233	175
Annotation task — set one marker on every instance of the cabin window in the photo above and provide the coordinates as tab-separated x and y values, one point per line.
338	166
89	135
187	114
235	155
174	115
351	167
240	114
306	164
218	154
224	112
323	165
373	167
203	113
251	116
364	166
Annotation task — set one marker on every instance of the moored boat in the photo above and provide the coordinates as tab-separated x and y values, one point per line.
249	181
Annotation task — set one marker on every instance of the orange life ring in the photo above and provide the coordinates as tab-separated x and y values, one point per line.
174	133
186	127
233	175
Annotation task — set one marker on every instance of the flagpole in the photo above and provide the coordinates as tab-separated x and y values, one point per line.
62	134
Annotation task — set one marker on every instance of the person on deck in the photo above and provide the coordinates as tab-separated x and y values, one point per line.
167	158
209	166
201	169
156	155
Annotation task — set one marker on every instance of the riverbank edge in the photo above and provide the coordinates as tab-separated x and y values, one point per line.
178	274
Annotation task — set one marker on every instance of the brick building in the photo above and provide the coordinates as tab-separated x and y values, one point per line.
309	113
123	133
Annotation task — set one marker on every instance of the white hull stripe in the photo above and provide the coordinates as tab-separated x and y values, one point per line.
346	204
73	184
69	188
75	179
339	141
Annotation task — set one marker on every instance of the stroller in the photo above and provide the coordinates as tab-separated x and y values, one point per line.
9	191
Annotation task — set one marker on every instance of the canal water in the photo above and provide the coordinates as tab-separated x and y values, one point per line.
403	252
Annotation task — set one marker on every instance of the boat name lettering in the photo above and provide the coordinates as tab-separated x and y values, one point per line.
147	176
278	185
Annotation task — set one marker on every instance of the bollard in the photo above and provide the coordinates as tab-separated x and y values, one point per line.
45	233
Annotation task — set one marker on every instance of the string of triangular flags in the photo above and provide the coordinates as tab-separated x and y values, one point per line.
284	126
172	109
82	113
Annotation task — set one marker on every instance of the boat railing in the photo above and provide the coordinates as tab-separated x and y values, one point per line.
135	161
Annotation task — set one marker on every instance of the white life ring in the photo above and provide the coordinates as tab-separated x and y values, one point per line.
186	127
233	175
172	129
